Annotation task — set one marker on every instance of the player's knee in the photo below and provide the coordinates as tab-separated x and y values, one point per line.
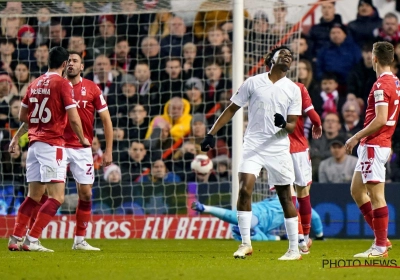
244	192
85	196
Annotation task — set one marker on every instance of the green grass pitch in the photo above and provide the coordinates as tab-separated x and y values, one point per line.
188	259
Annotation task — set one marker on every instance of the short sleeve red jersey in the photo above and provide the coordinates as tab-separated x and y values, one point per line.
384	92
47	99
88	99
298	142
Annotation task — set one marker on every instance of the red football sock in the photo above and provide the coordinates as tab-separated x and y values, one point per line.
366	210
24	214
36	210
46	213
294	200
380	221
305	213
83	212
300	225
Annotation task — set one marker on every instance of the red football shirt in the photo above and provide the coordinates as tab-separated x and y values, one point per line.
88	98
384	92
298	142
47	99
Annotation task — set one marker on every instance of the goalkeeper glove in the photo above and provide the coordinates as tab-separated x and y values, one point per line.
279	120
208	143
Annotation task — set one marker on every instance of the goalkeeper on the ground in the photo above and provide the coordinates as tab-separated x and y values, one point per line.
266	220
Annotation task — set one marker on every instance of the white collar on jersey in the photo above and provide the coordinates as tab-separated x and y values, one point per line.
52	73
386	73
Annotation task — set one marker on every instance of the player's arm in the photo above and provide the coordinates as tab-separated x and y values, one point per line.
381	114
108	132
224	118
14	142
23	114
291	123
76	125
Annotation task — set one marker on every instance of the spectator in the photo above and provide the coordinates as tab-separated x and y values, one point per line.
79	25
11	166
338	168
214	42
104	43
7	55
26	43
319	33
97	153
352	122
5	96
280	27
57	34
194	94
199	131
328	100
183	158
22	78
319	148
226	55
340	56
14	122
300	48
362	28
362	77
172	84
171	45
11	24
77	44
146	88
176	114
215	82
150	51
159	174
121	59
390	29
132	25
135	162
43	26
192	66
39	65
106	80
212	13
138	122
160	27
112	173
258	41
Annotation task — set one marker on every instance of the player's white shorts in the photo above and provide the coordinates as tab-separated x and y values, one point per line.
302	168
371	163
279	166
46	163
81	164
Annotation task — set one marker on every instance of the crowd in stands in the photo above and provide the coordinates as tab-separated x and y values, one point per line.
166	82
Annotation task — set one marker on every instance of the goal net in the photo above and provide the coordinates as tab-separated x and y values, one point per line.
165	69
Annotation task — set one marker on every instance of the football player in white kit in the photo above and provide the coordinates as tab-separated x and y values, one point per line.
274	105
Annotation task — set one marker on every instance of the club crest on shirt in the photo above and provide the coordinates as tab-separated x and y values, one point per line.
83	91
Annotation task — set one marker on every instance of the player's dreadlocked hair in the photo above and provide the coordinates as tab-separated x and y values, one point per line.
268	57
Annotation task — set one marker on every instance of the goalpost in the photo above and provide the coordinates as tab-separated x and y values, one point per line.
128	208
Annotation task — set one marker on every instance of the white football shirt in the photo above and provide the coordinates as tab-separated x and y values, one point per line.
264	99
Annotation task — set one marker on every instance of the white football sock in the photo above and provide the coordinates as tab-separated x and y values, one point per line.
292	231
78	239
31	239
301	237
244	223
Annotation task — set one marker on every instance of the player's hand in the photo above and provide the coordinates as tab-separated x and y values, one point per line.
279	120
13	145
208	143
350	144
107	158
316	131
85	143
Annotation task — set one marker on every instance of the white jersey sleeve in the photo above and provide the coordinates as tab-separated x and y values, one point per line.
295	104
242	96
